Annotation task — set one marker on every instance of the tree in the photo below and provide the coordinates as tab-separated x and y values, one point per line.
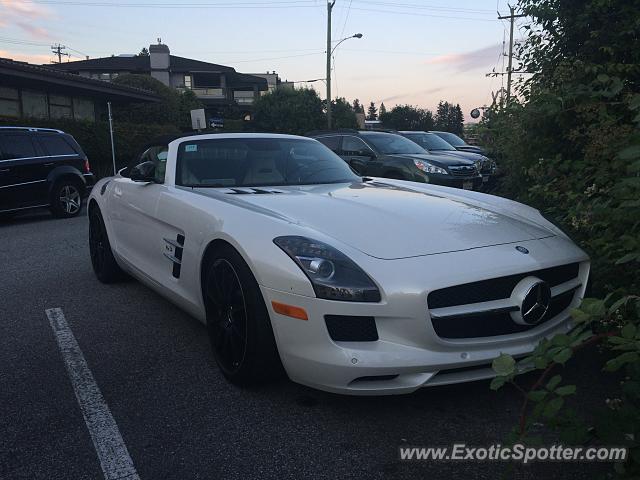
407	117
284	110
143	53
569	145
449	118
173	109
372	112
383	110
357	108
343	114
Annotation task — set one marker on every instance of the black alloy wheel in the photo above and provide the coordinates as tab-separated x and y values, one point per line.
104	264
228	327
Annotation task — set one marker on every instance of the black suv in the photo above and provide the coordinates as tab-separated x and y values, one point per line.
42	167
384	154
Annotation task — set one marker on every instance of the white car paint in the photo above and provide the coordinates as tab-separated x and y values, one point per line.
410	238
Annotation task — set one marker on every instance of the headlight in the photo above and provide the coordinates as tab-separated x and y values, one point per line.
333	275
429	168
478	164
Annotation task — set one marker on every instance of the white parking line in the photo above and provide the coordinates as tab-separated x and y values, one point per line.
112	452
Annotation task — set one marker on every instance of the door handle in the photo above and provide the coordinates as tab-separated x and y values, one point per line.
48	164
4	170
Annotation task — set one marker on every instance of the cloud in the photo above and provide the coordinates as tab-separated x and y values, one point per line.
34	30
412	94
25	57
24	15
462	62
24	9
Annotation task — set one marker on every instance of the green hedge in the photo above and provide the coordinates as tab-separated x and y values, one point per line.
93	137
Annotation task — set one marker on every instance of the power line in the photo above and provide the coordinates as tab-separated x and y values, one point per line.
58	52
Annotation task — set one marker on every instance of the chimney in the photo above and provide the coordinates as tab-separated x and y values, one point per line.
159	61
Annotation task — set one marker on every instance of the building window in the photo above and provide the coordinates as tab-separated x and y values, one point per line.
83	109
9	102
60	106
34	104
187	81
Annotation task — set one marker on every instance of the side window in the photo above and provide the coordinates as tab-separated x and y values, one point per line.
333	143
354	146
158	155
16	146
56	145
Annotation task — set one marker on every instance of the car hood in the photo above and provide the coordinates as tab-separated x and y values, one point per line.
436	159
459	154
386	220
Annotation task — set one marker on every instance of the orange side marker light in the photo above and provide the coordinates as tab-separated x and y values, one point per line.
289	310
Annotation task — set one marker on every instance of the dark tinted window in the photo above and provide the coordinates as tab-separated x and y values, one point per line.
452	139
56	145
157	155
389	143
245	162
354	146
429	141
333	143
16	146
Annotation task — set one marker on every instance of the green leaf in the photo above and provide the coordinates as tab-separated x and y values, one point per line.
561	340
628	331
629	257
565	390
553	407
497	383
553	383
537	395
580	316
615	363
630	153
563	356
504	365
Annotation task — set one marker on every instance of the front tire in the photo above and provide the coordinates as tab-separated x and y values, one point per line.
66	198
238	321
104	264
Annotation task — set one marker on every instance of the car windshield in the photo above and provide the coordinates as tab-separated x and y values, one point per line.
429	141
253	162
452	139
390	144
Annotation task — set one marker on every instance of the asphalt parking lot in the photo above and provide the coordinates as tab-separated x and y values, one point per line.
176	414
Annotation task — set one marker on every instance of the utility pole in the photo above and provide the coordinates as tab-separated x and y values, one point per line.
330	5
512	17
58	51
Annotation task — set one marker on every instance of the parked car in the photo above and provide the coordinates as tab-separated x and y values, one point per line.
353	285
458	143
383	154
436	145
41	167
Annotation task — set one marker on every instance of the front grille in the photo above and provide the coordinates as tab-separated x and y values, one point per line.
347	328
463	170
494	324
497	288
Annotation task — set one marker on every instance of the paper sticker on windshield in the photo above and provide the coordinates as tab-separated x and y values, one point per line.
191	148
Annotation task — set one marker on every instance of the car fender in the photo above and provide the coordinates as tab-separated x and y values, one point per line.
63	171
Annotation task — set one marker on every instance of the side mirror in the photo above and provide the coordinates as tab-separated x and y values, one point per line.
143	172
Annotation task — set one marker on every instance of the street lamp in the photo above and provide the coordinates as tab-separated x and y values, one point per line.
330	51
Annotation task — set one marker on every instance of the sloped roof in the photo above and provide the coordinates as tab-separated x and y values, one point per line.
141	64
27	73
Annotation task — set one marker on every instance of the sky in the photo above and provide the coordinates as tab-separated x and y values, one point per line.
415	52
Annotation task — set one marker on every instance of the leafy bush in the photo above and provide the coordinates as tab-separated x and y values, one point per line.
293	111
570	146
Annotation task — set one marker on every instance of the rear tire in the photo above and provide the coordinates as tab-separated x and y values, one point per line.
104	264
238	321
66	198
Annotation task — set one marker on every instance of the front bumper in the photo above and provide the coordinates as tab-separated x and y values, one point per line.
409	354
455	181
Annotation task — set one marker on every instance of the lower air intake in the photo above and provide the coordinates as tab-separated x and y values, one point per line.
347	328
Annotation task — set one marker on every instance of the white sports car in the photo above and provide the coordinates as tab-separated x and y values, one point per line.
353	285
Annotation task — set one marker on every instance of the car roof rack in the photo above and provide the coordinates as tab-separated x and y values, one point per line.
33	129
